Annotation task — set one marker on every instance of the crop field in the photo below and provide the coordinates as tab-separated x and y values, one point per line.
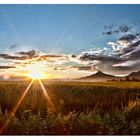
77	108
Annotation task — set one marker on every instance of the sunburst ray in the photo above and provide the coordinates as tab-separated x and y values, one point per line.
16	107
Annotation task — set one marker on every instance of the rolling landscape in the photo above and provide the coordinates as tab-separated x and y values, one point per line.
80	107
69	69
100	76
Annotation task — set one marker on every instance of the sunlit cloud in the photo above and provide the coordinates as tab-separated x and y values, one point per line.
113	58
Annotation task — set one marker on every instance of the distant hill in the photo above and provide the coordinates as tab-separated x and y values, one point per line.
135	75
99	76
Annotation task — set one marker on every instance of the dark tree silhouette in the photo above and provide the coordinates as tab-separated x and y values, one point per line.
127	78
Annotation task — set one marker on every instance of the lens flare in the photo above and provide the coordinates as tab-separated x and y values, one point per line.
47	96
16	107
51	105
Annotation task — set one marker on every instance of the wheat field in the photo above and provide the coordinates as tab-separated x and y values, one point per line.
82	108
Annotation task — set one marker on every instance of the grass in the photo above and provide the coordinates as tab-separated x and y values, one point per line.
104	108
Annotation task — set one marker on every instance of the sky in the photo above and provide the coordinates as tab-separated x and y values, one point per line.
70	39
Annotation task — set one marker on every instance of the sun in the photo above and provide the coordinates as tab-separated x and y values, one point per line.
36	72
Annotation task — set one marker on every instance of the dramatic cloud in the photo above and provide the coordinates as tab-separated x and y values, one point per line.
108	33
6	67
50	61
124	28
14	57
127	48
128	37
116	57
123	58
110	29
91	57
100	62
29	53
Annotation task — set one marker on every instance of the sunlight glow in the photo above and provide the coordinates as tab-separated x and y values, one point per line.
36	74
35	71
